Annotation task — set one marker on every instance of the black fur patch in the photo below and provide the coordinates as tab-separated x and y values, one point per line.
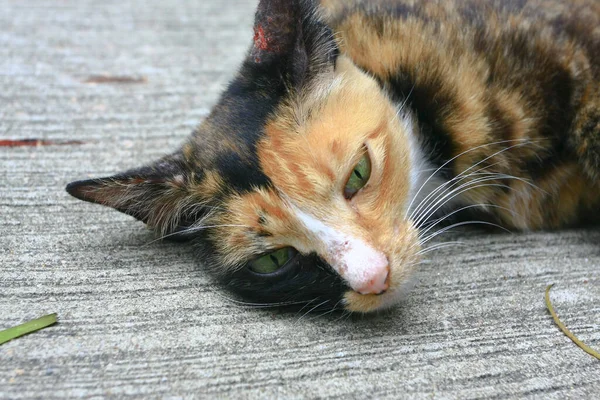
296	46
429	105
306	281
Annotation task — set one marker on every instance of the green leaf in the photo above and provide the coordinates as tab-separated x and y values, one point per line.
27	327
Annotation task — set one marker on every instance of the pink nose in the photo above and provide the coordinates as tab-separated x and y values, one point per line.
376	283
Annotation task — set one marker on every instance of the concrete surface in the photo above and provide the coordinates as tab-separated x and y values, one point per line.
139	318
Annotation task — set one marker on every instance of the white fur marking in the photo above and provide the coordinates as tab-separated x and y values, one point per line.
364	268
420	169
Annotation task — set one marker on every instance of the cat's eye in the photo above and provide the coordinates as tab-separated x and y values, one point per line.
359	177
271	262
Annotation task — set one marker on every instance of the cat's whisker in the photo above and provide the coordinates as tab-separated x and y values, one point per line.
400	109
523	142
440	191
405	102
306	303
258	305
439	246
448	197
502	175
345	315
439	220
425	170
191	205
497	175
312	309
333	309
193	229
436	192
426	214
462	174
342	315
446	229
472	185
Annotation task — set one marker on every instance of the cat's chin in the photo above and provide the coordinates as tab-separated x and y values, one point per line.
360	303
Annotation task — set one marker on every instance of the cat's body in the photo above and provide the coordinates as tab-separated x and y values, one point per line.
352	129
517	73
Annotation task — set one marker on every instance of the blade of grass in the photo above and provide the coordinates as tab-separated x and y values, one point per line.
27	327
565	330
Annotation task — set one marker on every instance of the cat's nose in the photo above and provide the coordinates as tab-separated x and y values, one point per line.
364	268
377	283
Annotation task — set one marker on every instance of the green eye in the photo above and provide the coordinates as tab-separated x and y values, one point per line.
359	176
273	261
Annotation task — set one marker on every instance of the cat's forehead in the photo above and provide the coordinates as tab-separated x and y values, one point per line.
308	149
303	149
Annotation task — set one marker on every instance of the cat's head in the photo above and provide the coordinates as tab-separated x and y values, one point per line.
297	185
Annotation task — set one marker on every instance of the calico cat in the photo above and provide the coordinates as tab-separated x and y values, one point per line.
354	128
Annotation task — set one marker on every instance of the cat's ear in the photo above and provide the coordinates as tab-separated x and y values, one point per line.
158	194
291	35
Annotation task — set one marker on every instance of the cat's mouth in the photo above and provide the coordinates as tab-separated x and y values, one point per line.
402	261
364	303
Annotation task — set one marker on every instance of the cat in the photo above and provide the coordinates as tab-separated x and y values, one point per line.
353	129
